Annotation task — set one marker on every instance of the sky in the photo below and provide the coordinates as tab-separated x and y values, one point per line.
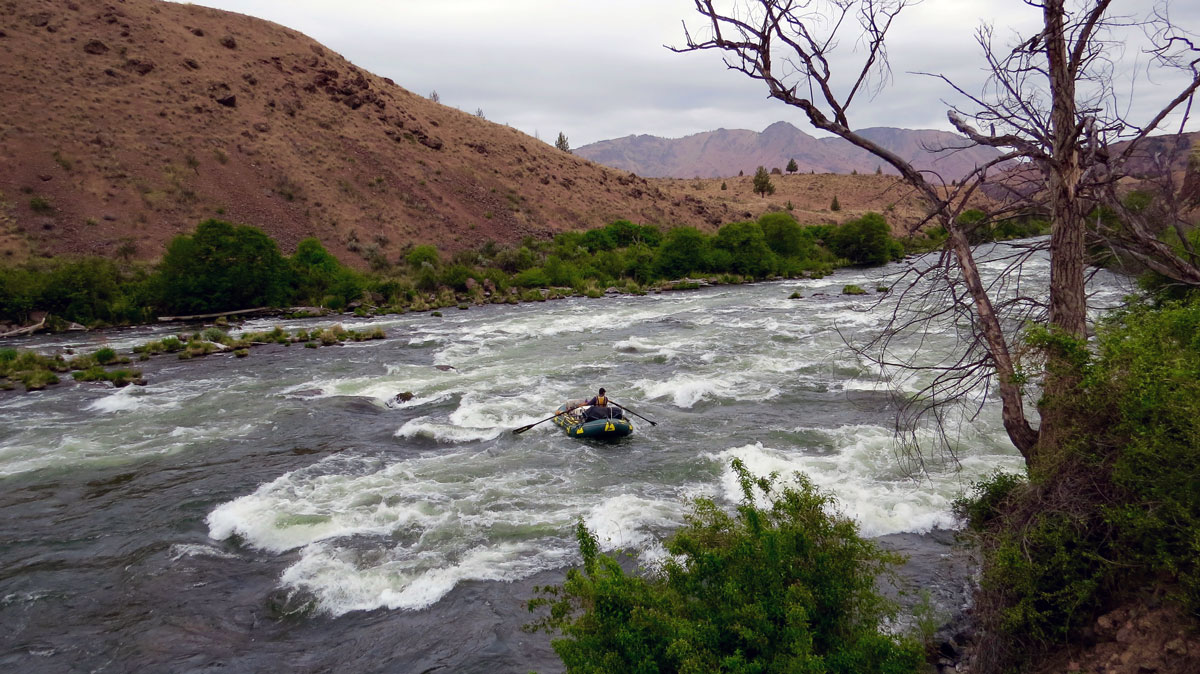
599	70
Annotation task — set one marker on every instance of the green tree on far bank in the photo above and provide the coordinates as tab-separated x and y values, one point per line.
866	241
222	267
746	245
683	251
785	237
320	279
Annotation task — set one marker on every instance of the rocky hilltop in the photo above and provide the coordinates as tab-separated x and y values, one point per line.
726	152
128	121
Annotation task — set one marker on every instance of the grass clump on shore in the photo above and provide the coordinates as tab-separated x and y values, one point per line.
36	372
118	378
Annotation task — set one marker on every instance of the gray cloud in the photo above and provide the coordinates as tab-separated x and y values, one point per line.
598	70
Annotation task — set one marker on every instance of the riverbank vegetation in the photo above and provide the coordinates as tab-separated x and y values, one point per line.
1114	514
224	267
788	587
35	372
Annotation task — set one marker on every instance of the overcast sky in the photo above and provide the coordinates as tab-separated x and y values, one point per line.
598	70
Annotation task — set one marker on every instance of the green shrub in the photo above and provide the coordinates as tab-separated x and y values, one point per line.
532	278
684	250
36	380
455	276
105	356
627	234
334	334
747	249
852	289
987	499
421	255
198	348
40	205
784	235
787	588
119	377
866	241
319	278
214	334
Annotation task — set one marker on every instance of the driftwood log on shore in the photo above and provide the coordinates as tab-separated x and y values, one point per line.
195	317
313	311
28	330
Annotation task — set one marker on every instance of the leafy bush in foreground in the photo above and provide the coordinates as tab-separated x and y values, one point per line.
789	588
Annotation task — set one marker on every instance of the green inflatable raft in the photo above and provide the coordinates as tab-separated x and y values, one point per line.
575	424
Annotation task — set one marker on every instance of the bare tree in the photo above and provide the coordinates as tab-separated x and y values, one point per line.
1050	104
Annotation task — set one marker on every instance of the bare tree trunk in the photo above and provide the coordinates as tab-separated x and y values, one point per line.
1022	434
1068	300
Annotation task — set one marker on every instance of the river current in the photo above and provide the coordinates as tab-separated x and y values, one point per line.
274	512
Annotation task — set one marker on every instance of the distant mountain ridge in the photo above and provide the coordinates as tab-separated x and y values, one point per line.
725	152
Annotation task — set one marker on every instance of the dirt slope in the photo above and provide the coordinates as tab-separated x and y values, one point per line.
128	121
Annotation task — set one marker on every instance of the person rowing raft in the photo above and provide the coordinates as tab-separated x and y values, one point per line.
598	407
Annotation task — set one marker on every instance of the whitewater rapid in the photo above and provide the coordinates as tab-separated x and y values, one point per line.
355	506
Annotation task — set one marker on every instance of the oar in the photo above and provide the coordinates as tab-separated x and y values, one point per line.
518	431
652	423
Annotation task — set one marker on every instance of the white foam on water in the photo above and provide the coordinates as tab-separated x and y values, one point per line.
24	597
372	534
121	400
423	427
645	347
343	583
685	390
863	471
479	416
310	505
621	522
180	550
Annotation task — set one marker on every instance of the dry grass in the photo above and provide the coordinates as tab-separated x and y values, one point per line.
309	145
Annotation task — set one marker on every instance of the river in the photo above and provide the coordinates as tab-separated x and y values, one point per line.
274	512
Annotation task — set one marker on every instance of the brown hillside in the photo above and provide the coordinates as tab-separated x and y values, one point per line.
127	122
810	197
